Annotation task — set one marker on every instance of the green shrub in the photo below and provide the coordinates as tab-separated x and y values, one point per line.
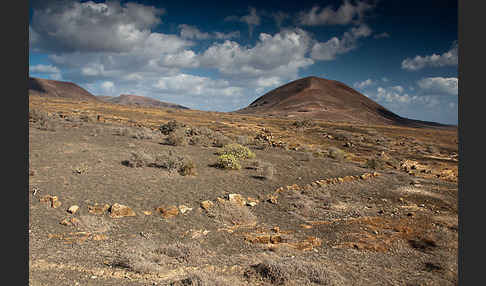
228	161
238	151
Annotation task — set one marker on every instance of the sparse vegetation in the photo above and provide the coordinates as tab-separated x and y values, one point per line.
232	214
171	126
228	161
285	270
306	123
168	160
138	159
42	120
177	138
238	151
336	153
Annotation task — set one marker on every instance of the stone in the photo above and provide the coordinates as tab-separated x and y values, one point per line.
118	211
53	200
168	212
236	199
252	202
183	209
98	209
73	209
207	205
147	212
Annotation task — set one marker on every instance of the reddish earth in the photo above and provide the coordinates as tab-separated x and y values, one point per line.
55	88
330	100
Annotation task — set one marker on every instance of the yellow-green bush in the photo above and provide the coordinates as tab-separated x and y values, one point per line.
238	151
228	161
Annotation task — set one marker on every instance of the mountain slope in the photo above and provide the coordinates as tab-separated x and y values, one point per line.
129	99
320	98
55	88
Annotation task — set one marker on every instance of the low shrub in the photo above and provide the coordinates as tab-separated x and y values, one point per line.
228	161
171	126
138	159
336	153
177	138
303	123
238	151
220	140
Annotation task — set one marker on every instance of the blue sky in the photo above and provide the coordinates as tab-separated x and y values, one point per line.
223	55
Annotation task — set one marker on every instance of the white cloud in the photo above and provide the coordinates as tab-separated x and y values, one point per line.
384	79
439	85
363	84
196	85
397	88
448	58
347	13
192	32
326	51
50	71
92	27
269	81
108	85
279	55
44	69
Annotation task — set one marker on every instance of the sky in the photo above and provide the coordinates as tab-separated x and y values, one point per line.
222	55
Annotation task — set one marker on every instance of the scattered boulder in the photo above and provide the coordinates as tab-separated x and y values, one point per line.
53	200
73	209
252	202
183	209
98	209
207	205
168	212
236	199
117	211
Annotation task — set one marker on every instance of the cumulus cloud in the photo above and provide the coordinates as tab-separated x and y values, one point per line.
196	85
280	55
396	97
252	19
329	50
363	84
50	71
439	85
448	58
347	13
192	32
92	27
44	69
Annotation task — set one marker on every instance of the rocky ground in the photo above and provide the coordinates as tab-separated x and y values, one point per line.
141	201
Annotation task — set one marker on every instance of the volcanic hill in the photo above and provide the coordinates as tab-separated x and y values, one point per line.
129	99
55	88
319	98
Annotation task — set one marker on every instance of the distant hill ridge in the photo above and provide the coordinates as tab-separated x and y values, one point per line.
319	98
56	88
131	99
